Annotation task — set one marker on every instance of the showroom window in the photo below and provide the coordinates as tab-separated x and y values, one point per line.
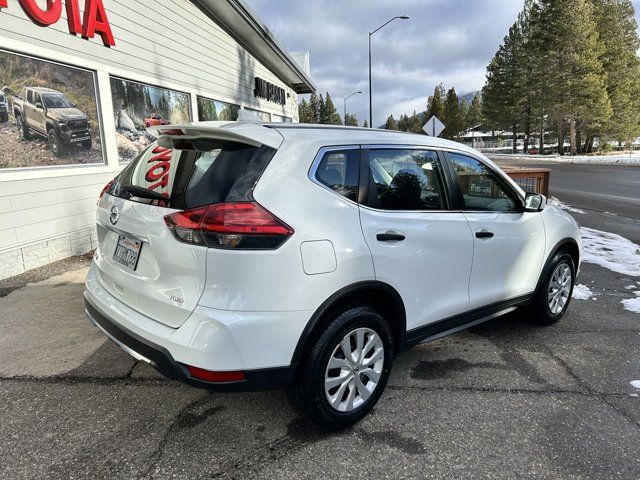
264	116
138	106
212	110
52	114
405	180
281	118
481	190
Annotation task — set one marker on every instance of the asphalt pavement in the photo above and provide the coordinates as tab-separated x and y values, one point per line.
503	400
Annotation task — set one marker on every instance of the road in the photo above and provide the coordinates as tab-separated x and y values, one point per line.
602	191
593	187
503	400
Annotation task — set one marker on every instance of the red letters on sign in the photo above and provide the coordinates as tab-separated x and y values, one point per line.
46	17
73	17
95	17
163	156
95	21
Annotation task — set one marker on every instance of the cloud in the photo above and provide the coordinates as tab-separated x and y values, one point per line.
445	41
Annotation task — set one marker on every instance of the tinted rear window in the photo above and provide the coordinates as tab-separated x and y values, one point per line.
189	179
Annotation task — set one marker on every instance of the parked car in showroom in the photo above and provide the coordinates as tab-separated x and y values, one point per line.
154	120
50	114
244	256
4	108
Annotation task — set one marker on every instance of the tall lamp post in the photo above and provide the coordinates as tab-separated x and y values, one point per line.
401	17
345	106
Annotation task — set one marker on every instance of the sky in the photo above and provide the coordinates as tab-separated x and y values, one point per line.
445	41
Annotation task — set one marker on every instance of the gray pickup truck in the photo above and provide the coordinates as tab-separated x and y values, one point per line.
49	113
4	107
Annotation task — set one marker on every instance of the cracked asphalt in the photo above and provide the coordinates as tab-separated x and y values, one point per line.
503	400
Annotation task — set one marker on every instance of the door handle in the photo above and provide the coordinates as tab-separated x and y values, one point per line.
484	234
390	237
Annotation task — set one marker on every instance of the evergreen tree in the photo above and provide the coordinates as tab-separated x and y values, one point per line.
365	124
618	29
474	114
453	119
391	123
328	113
435	104
350	120
403	123
314	108
577	77
305	112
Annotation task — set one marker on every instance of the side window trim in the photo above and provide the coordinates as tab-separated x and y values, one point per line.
365	177
316	164
508	189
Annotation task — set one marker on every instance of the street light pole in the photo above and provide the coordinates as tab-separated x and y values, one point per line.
401	17
344	118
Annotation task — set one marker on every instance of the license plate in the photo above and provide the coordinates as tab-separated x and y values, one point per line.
127	252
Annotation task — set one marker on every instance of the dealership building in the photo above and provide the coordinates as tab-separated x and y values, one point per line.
84	79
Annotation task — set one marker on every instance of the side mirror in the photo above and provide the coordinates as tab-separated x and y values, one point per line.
534	202
38	105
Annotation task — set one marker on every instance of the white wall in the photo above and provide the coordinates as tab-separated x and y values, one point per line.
48	213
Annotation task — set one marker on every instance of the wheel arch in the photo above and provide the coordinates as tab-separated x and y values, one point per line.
381	296
569	245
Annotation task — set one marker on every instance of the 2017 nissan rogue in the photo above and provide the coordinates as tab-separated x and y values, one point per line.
244	256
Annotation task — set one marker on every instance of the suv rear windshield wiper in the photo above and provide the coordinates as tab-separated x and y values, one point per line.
141	192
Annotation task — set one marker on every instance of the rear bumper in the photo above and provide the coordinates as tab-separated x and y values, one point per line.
160	358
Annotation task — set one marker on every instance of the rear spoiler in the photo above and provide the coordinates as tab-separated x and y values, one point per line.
252	134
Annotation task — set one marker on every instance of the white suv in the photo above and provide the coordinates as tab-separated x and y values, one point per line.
245	256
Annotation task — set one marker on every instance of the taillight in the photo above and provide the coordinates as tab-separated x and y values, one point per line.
234	225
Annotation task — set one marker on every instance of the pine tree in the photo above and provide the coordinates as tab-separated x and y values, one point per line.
618	29
391	123
577	78
365	124
328	113
505	86
314	108
435	104
453	119
350	120
403	123
305	112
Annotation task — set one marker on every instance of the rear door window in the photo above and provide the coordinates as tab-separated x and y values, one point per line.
184	179
405	179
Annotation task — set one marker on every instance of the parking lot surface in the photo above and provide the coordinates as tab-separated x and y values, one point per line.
503	400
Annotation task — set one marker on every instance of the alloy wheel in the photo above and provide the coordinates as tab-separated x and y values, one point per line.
354	369
559	288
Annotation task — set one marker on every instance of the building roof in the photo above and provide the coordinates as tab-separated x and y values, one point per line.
244	26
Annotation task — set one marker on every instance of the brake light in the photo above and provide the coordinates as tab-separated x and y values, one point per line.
234	225
105	188
218	377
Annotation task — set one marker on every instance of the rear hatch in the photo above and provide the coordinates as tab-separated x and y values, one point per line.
140	260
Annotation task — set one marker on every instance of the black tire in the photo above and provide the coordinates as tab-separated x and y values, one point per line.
87	144
55	144
540	311
5	118
25	131
307	395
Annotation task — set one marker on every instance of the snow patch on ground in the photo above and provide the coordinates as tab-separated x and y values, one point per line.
557	203
581	292
632	304
630	287
610	251
635	384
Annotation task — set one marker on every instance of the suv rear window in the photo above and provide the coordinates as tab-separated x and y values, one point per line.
188	178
